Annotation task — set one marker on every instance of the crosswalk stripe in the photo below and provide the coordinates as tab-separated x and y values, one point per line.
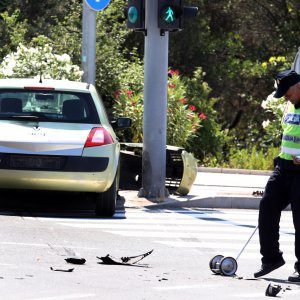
211	231
251	247
170	226
203	235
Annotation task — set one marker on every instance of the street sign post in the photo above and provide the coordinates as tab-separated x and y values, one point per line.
97	4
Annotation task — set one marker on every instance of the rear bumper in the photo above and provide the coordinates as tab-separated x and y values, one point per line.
53	163
94	171
57	181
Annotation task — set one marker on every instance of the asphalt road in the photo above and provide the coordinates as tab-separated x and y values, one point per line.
183	239
183	243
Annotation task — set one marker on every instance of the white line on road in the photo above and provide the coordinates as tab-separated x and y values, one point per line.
74	296
184	287
197	235
44	245
171	227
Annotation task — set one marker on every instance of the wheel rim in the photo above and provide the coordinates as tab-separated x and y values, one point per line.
228	266
214	263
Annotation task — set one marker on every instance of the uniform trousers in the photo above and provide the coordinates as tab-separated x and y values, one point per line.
282	189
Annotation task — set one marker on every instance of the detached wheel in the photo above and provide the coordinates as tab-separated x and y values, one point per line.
228	266
106	201
214	264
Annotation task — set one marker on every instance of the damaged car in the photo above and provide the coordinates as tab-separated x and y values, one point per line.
55	136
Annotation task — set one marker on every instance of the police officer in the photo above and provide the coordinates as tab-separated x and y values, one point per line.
283	186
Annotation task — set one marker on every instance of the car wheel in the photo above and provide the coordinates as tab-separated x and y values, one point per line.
106	201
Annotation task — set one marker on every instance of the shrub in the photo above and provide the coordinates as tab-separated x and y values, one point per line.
182	117
274	108
33	62
252	158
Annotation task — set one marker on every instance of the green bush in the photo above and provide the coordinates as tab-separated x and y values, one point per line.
182	117
247	159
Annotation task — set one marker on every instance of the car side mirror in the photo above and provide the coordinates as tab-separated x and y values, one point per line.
121	123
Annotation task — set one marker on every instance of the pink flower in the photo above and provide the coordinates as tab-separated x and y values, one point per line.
182	100
172	72
202	116
129	93
192	107
172	85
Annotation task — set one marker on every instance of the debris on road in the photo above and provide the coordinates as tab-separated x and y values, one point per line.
75	261
257	193
273	289
128	260
62	270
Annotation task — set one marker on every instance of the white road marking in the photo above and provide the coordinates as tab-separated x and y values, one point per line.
202	235
213	231
44	245
183	226
185	287
74	296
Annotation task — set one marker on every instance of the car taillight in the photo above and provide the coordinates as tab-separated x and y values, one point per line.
98	136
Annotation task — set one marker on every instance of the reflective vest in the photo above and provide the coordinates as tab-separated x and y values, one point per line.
290	144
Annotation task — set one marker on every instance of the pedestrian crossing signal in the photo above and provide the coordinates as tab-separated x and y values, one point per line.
135	14
169	14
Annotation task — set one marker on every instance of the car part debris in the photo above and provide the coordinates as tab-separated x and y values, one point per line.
181	168
127	260
227	266
62	270
75	261
273	289
258	193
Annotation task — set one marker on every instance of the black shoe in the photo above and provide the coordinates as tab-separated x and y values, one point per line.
295	277
267	268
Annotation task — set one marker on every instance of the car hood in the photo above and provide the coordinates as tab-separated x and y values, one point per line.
43	138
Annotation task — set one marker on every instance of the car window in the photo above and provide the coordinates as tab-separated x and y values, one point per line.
48	105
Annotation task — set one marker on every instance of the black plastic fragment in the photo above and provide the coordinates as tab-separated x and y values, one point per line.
273	289
127	260
62	270
75	261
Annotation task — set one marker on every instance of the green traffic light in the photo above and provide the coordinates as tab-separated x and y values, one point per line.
132	14
168	14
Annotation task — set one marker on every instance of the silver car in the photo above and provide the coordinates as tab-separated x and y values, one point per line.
55	135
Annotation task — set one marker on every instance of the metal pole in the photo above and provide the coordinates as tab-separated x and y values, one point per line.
155	107
88	44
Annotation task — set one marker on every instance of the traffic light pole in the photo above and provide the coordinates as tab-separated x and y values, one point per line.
155	107
88	44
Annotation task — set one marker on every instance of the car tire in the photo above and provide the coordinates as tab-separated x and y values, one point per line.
106	201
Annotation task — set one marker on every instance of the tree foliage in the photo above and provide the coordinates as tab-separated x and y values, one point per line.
235	43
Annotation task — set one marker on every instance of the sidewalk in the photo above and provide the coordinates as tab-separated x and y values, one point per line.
213	188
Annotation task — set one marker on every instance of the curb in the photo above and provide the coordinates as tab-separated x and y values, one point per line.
234	171
230	201
211	203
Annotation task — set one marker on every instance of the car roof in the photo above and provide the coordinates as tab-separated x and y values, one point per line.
62	85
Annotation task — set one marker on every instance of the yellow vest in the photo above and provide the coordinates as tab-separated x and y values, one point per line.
290	144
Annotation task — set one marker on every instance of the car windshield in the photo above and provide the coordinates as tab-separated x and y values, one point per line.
48	105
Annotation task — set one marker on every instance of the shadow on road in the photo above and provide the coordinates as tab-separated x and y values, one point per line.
49	204
23	202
